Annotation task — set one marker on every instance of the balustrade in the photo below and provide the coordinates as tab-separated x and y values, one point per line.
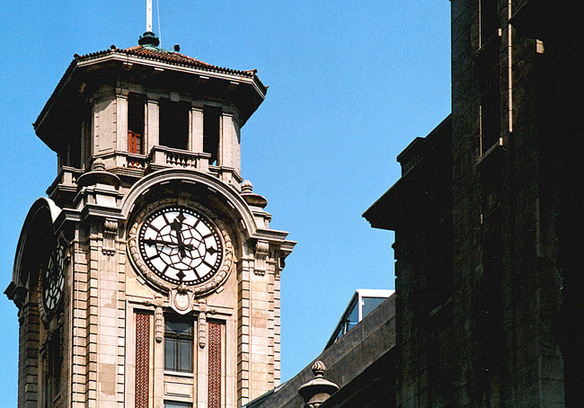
137	165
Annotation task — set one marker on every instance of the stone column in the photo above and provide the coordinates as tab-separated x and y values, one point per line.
152	127
196	128
104	121
229	149
122	119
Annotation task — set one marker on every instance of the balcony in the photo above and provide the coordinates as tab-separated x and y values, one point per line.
162	157
132	166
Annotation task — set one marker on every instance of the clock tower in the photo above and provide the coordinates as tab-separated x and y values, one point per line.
149	277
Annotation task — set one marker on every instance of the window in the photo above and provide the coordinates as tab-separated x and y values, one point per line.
174	124
363	302
211	129
176	404
52	377
370	304
178	344
135	124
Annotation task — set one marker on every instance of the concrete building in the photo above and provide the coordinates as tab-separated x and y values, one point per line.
149	277
488	220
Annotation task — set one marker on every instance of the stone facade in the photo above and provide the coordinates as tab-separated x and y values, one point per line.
488	223
105	341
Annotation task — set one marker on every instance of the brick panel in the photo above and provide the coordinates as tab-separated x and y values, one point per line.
142	359
214	365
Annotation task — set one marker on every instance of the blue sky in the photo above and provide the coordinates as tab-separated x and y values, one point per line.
351	84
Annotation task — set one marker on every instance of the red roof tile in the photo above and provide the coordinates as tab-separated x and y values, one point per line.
171	57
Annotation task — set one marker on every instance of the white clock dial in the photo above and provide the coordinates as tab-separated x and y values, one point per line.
180	245
53	279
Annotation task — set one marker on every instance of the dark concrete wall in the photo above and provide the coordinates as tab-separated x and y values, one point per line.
348	361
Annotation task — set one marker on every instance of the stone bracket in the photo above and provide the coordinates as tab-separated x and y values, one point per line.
110	228
261	254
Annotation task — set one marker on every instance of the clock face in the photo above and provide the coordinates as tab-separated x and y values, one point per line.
53	279
180	245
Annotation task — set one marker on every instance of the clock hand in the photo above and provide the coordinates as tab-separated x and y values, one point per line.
177	227
159	241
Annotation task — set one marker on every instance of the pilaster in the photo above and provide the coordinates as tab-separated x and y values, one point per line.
80	319
104	121
243	330
196	127
229	146
28	370
152	121
121	119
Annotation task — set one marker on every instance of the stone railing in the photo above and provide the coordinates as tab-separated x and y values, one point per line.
65	181
135	165
136	161
162	156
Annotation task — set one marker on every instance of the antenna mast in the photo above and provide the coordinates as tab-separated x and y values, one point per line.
149	38
148	15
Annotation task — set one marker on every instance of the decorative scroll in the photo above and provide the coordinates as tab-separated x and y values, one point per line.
214	365
202	329
110	227
262	248
158	324
142	359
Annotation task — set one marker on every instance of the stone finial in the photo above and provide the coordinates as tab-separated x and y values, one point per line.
98	175
98	165
246	186
318	390
318	369
250	197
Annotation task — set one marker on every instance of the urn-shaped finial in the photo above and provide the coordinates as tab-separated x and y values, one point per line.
317	390
250	197
318	368
98	175
246	187
98	165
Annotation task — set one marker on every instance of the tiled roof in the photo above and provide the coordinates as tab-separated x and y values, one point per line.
148	53
159	54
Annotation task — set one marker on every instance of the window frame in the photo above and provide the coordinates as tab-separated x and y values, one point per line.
177	340
136	123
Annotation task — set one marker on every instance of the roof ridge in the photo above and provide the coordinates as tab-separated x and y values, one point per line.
168	56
